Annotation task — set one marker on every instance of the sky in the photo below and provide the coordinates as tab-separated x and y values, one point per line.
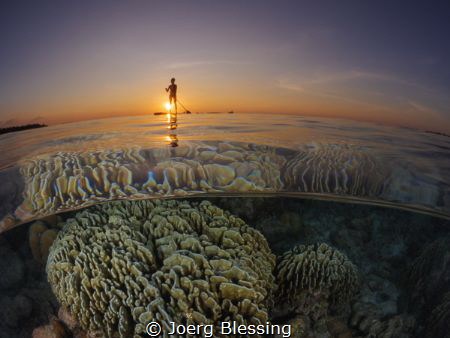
381	61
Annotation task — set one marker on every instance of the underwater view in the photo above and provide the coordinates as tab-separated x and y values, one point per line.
224	225
226	169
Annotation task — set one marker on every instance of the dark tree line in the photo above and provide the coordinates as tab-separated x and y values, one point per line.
19	128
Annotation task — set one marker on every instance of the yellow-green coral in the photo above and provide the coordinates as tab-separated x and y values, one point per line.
40	239
68	180
311	278
121	265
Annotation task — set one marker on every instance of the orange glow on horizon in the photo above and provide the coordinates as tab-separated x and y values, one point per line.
62	109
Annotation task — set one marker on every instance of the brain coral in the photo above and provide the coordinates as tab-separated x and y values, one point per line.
311	278
120	265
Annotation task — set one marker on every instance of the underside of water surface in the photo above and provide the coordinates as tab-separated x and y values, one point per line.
322	228
60	168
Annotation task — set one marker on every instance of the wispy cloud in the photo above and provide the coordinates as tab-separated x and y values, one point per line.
286	84
422	108
352	75
335	87
309	89
191	64
335	84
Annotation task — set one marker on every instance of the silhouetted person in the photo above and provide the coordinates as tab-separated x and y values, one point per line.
172	89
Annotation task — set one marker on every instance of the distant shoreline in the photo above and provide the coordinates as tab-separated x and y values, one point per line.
437	133
20	128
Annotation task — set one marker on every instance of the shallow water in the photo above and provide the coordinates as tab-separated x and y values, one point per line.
388	248
285	176
282	154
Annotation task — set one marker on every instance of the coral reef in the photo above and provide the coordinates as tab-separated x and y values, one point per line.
303	327
40	239
429	274
337	328
312	278
26	299
429	286
336	168
65	181
120	265
369	321
437	323
53	330
299	327
383	243
11	196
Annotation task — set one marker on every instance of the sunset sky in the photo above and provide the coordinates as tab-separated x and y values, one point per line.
382	61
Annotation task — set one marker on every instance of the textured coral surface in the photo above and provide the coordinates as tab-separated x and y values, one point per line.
121	265
386	245
311	278
68	180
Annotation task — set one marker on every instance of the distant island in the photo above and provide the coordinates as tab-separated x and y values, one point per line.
436	133
20	128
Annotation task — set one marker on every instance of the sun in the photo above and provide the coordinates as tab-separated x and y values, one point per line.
167	105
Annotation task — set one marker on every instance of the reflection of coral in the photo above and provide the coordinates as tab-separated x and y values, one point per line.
68	180
312	277
368	319
41	238
336	168
120	265
439	319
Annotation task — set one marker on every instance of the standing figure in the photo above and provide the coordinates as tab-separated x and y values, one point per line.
172	89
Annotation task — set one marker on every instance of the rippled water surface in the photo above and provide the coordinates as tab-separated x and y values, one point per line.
64	167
